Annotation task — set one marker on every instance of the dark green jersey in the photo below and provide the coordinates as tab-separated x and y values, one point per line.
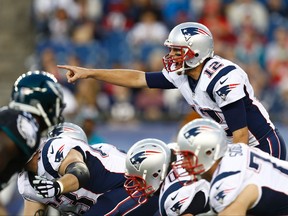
22	128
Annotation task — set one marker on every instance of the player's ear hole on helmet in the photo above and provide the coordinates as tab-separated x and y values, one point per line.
209	152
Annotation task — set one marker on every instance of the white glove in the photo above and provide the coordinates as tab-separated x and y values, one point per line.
47	188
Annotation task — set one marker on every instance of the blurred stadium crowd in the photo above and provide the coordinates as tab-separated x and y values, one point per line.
131	33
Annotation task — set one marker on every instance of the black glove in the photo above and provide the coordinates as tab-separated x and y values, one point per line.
47	188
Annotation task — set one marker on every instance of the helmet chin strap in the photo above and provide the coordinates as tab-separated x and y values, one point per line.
181	71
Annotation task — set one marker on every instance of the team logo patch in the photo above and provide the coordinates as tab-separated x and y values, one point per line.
177	206
224	91
189	32
100	151
138	158
27	128
222	194
59	154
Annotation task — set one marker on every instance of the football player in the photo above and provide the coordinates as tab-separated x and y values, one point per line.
76	178
243	180
214	87
36	104
149	173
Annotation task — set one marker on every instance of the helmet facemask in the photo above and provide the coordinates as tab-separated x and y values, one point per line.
188	165
137	188
177	63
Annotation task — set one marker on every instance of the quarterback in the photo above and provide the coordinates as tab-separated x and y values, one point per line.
214	87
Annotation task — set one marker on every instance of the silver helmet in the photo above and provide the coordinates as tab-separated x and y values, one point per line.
195	42
202	142
67	129
147	164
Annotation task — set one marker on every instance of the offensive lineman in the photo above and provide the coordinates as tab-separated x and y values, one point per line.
73	177
244	180
148	172
214	87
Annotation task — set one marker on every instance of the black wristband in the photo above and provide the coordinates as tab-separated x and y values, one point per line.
80	170
58	188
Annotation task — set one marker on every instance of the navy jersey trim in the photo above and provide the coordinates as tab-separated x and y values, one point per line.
192	83
221	73
158	80
171	189
46	163
198	204
232	112
223	175
271	203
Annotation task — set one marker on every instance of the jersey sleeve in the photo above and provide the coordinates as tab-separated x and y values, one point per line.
176	198
158	80
176	79
56	150
228	88
228	183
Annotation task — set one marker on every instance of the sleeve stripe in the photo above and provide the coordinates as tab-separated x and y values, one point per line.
223	175
46	163
221	73
174	187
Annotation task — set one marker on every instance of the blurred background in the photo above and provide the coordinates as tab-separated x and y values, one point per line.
39	34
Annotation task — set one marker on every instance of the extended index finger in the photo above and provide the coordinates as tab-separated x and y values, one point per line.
69	73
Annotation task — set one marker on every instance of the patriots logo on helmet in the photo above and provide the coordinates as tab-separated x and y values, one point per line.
189	32
138	158
224	91
189	135
177	206
222	194
59	154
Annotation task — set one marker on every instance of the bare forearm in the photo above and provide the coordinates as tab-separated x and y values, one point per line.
241	136
121	77
243	202
70	183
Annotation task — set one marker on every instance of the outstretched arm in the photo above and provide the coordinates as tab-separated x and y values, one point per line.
74	173
122	77
70	166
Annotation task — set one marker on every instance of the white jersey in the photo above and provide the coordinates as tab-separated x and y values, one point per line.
105	163
221	83
175	198
242	166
